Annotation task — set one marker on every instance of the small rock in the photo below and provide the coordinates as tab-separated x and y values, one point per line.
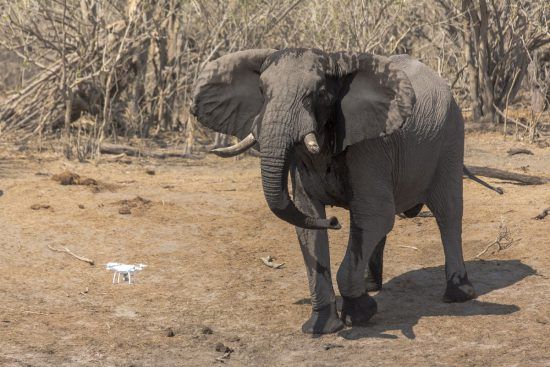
150	171
1	192
81	206
220	347
124	210
169	332
206	330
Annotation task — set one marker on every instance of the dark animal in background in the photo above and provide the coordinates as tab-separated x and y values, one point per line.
371	134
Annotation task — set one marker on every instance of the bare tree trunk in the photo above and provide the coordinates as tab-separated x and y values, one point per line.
486	85
469	49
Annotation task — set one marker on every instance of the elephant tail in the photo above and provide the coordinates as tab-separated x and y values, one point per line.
473	177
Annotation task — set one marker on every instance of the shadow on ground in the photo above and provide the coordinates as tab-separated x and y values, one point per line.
405	299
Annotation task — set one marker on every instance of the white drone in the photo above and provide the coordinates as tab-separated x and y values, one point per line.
125	270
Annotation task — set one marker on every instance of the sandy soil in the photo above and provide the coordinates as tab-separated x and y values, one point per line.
201	229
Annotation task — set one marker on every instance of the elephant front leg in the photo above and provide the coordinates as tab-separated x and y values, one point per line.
315	249
324	317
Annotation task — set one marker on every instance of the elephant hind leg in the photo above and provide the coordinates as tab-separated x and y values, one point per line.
373	273
445	202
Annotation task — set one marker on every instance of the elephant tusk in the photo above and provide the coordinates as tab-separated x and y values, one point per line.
311	143
241	147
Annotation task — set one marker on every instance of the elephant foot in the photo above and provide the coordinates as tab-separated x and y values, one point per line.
323	321
459	291
357	311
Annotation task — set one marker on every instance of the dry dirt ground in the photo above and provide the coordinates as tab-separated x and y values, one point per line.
202	226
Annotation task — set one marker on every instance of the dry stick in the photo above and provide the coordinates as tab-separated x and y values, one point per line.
66	250
514	151
405	246
507	98
509	118
106	148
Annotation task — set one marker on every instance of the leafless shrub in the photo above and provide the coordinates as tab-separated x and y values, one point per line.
503	240
130	65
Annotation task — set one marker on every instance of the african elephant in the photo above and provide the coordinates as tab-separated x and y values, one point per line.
375	135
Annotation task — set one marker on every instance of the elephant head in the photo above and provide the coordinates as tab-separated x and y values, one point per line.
279	99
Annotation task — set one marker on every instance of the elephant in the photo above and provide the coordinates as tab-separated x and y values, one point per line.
375	135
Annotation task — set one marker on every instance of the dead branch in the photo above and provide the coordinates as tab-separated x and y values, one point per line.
66	250
411	247
268	261
509	176
542	214
117	149
508	118
514	151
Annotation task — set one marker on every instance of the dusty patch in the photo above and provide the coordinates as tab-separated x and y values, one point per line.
206	283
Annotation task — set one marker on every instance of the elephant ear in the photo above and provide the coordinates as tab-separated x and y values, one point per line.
227	93
375	98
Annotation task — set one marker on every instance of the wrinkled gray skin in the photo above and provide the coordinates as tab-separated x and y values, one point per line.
390	136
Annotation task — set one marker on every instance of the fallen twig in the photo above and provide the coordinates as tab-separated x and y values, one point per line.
505	175
106	148
66	250
514	151
329	346
411	247
542	214
268	261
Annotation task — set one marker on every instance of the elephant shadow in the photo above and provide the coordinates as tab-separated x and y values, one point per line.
405	299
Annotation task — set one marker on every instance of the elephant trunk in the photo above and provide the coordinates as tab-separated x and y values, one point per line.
275	163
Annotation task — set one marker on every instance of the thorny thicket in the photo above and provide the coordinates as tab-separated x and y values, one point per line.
92	69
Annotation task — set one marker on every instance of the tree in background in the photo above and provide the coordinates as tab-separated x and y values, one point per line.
104	69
